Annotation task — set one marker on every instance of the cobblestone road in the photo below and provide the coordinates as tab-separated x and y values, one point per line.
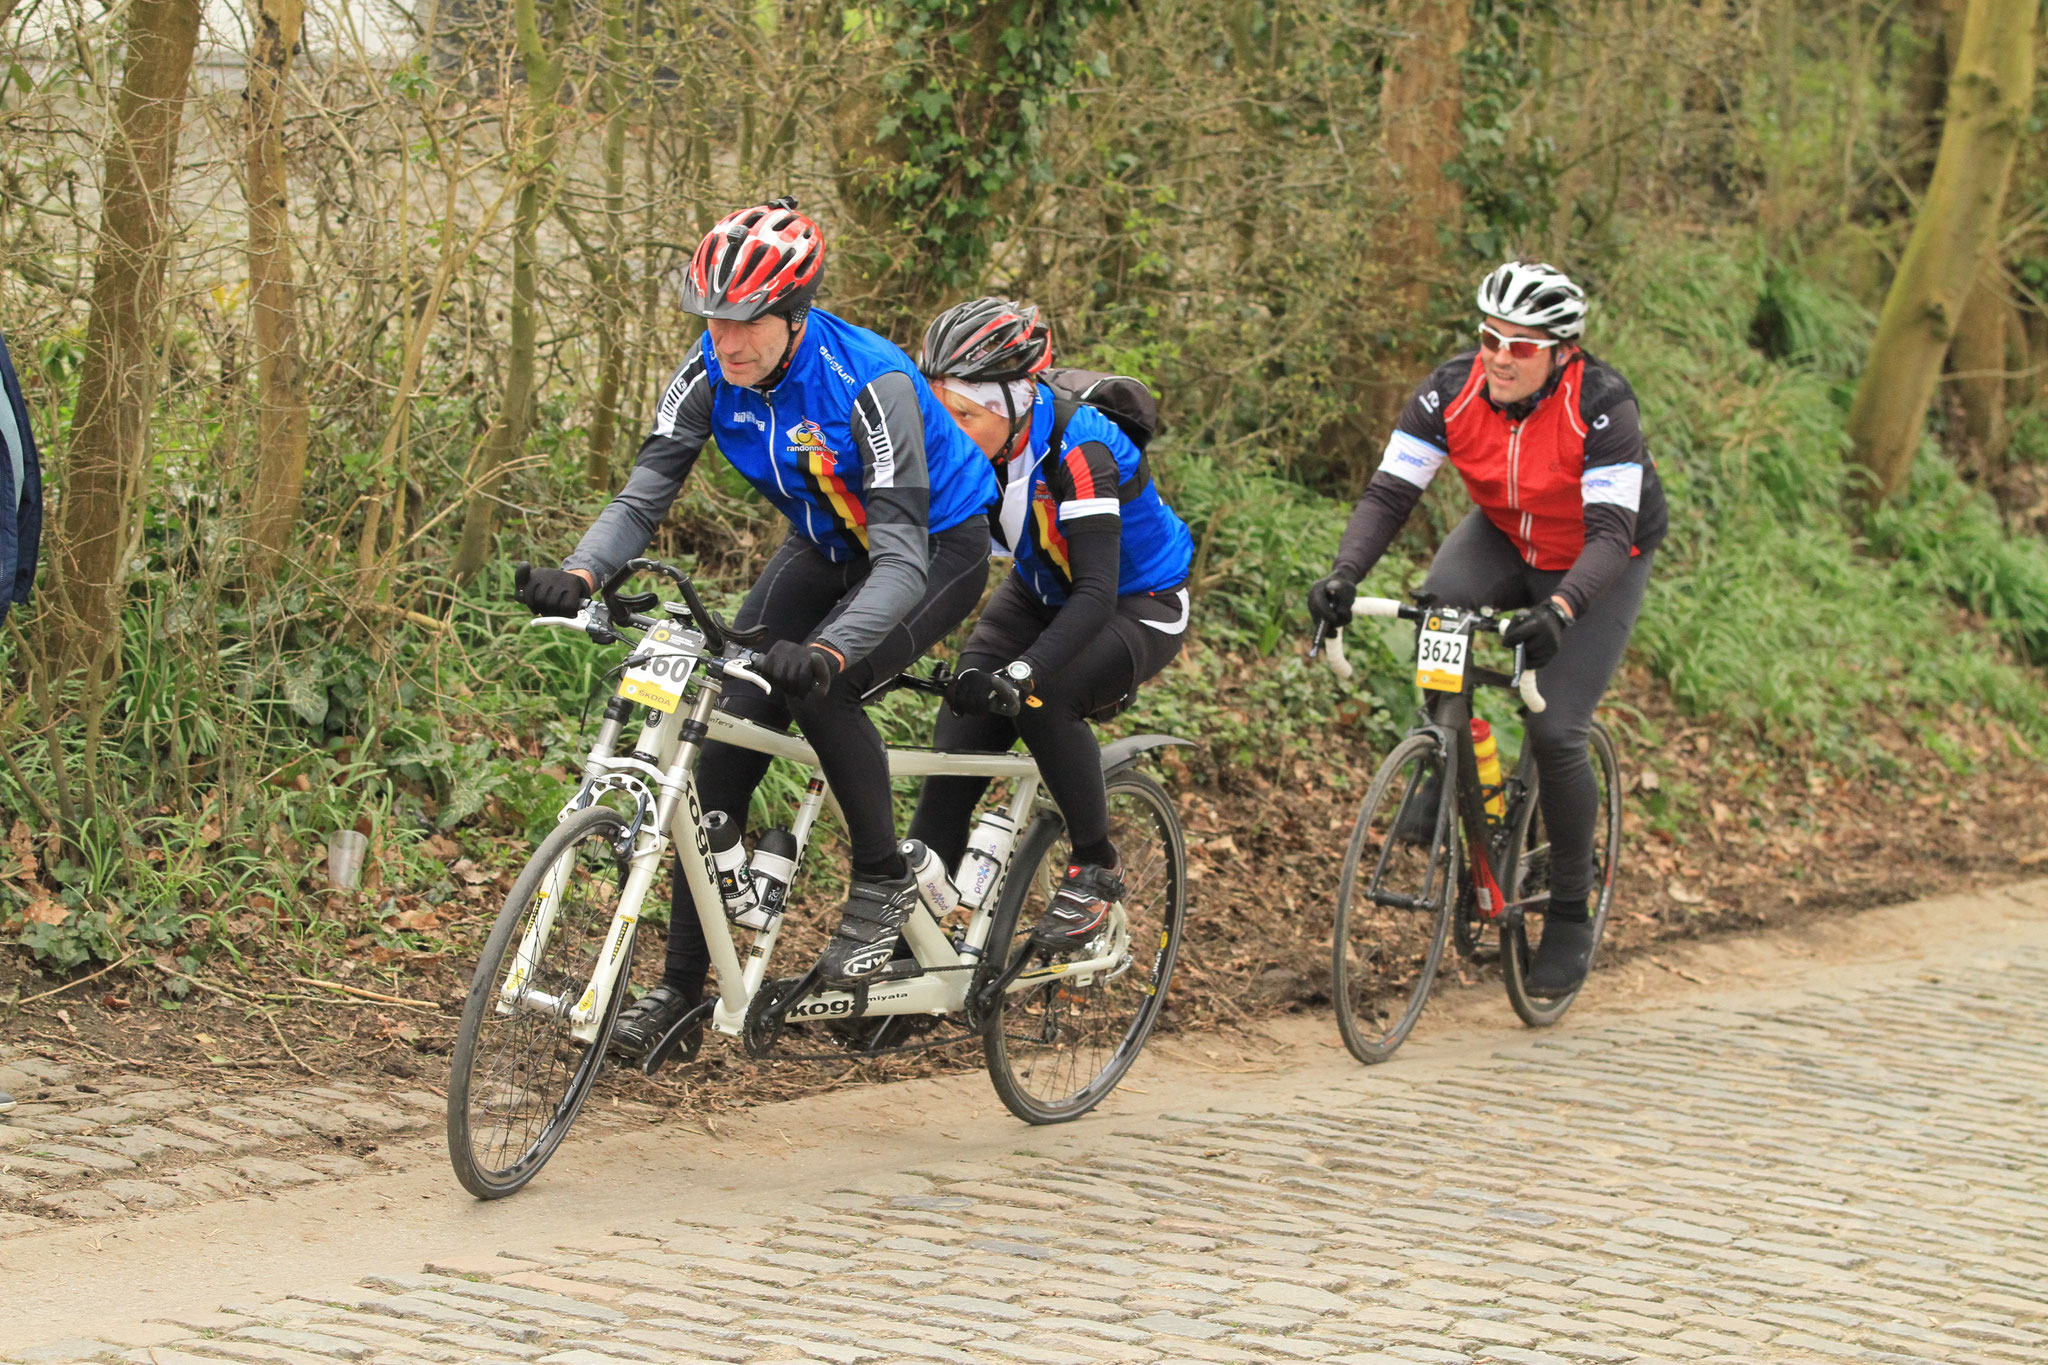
1828	1175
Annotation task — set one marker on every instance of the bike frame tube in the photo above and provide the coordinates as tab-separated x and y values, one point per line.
1450	717
677	803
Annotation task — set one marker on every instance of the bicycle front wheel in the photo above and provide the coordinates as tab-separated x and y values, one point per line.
1394	902
1055	1050
1528	874
518	1076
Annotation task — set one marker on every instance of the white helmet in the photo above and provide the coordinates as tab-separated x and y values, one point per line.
1534	295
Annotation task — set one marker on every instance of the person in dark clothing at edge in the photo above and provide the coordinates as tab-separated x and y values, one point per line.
21	510
888	551
1570	513
1097	602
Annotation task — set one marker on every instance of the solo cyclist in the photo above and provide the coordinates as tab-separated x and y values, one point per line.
1096	604
887	552
1570	513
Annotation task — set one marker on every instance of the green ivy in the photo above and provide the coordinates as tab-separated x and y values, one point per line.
967	103
1510	186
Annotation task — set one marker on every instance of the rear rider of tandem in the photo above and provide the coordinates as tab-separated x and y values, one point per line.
1570	513
1097	602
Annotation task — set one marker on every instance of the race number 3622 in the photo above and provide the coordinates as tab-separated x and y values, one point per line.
1440	660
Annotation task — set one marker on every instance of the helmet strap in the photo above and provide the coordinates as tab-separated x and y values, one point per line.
795	322
1017	422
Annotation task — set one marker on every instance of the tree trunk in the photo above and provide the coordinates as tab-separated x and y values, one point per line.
1420	107
1977	358
611	339
1988	101
534	163
280	372
109	449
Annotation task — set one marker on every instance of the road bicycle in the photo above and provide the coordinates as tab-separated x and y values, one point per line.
1058	1029
1444	852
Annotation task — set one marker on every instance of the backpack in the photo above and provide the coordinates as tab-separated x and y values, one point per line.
1122	399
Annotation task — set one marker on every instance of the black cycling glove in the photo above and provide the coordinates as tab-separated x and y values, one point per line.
978	692
549	592
1330	601
1539	630
799	670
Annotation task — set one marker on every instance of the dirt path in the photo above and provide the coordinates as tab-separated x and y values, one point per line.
127	1280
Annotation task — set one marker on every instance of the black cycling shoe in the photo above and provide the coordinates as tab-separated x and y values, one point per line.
647	1020
1561	961
1080	907
865	940
1416	823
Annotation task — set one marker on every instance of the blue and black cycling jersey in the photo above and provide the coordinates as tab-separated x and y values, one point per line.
850	446
1087	527
1099	474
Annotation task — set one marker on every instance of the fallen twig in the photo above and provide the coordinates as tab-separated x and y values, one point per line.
309	1068
362	994
1680	972
69	984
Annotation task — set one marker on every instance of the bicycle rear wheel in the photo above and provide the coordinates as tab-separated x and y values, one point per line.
1394	902
1056	1050
518	1078
1528	874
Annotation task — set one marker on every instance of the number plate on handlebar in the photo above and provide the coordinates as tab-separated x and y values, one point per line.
666	655
1440	655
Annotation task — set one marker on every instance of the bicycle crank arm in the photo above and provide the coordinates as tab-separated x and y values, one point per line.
685	1035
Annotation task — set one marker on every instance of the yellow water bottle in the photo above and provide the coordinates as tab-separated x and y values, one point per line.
1487	752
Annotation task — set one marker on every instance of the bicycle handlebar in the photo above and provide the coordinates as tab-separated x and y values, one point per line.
1330	644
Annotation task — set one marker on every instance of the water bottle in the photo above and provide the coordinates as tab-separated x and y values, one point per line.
774	867
735	878
934	887
1486	754
988	848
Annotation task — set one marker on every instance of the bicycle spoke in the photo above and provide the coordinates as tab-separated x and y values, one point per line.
1060	1046
519	1075
1394	902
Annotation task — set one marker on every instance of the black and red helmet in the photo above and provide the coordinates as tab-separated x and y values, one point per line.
987	340
762	260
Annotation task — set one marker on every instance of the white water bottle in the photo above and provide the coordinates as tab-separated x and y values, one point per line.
735	879
988	849
774	868
934	887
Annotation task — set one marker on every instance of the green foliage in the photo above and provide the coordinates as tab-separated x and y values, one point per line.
1508	171
1767	609
967	102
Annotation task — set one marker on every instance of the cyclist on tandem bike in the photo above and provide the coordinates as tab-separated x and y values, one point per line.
888	552
1570	513
1096	605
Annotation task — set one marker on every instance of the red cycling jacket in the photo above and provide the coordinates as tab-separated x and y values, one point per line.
1563	474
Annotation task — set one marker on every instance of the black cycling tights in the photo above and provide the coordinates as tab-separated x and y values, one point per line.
1478	566
1139	640
794	597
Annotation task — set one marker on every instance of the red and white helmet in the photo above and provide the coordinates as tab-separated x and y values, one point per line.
762	260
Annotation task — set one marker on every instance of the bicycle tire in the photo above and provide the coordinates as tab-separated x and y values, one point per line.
1383	953
505	1066
1527	871
1056	1051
